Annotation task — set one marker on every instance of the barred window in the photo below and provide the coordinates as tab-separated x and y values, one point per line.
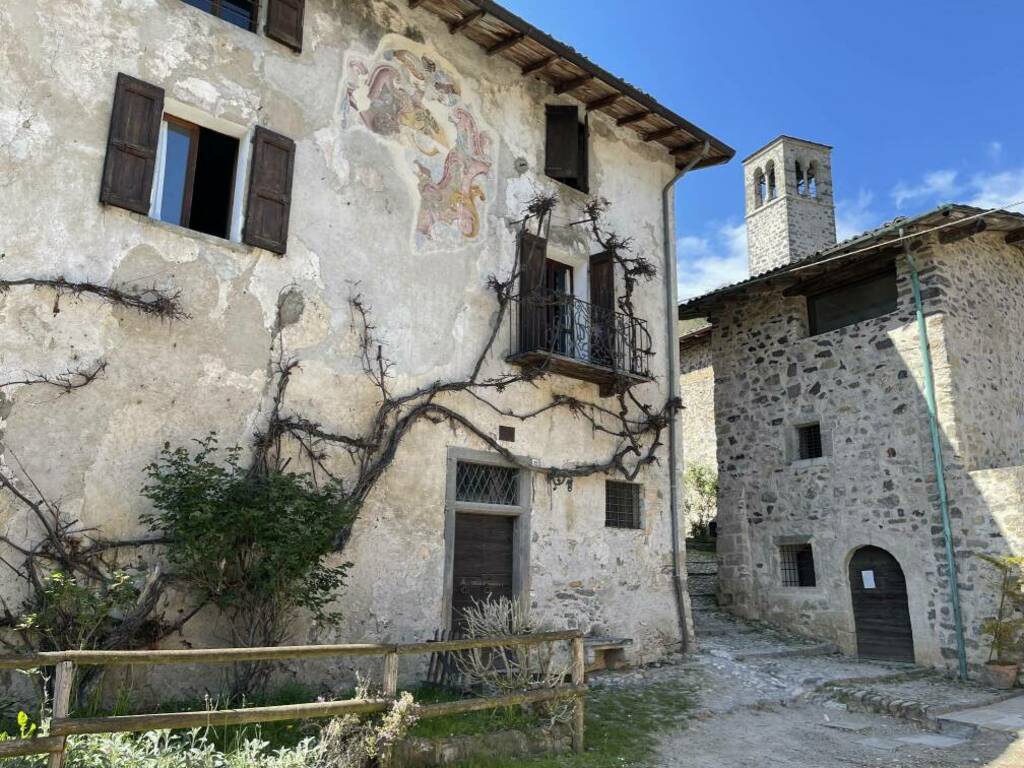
797	565
809	439
621	505
486	483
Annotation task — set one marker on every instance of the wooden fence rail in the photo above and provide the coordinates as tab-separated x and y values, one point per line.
63	724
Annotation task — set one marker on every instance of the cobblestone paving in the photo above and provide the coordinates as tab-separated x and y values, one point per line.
757	704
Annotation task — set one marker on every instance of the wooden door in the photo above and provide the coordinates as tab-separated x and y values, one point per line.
880	608
483	560
602	303
532	313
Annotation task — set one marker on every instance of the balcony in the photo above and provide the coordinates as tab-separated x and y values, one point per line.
559	333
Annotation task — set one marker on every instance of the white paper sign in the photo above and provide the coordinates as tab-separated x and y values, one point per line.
868	577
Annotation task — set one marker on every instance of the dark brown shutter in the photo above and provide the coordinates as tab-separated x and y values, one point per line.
132	144
533	251
562	149
270	191
602	281
284	22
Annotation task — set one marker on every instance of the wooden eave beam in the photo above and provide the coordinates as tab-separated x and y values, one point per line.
603	102
955	234
664	133
859	270
537	66
685	149
466	20
1015	237
414	4
635	117
566	86
508	42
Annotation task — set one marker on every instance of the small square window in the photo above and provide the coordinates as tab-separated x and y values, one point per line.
241	13
809	441
621	505
197	183
797	565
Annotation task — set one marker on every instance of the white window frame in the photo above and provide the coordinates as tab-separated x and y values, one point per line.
243	133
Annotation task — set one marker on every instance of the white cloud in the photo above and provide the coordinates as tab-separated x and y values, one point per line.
706	263
932	185
997	190
994	149
854	217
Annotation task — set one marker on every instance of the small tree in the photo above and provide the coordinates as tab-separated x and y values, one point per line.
701	485
252	544
1003	629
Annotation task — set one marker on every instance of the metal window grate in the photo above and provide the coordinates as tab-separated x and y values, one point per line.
809	438
486	483
621	505
241	13
797	565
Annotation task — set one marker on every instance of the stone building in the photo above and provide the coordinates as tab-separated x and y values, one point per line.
830	516
269	161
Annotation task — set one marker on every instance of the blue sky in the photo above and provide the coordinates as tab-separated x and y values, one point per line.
923	101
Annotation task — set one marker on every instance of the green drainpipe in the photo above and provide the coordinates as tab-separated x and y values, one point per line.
940	476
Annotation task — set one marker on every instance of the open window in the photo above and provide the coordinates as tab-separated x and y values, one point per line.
284	18
197	177
567	147
178	165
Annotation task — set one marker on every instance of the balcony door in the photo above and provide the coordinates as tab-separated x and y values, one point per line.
602	309
546	319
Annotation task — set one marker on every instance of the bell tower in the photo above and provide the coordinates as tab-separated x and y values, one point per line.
790	212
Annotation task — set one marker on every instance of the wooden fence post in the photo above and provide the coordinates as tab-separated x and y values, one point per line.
579	672
391	675
62	707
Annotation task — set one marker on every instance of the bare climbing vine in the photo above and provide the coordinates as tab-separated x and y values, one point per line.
635	427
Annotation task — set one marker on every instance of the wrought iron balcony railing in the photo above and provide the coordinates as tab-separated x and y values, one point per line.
551	326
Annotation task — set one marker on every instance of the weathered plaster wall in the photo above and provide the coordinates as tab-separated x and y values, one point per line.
697	389
864	383
369	207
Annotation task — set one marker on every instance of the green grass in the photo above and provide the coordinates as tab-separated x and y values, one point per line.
470	723
621	729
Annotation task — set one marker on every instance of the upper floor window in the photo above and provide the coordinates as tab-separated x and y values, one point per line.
760	188
801	180
851	303
283	17
812	180
241	13
567	147
192	173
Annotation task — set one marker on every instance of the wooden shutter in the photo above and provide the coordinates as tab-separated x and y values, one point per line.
583	179
533	252
284	22
562	148
268	206
602	281
132	144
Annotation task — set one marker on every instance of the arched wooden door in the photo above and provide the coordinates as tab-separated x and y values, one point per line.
880	609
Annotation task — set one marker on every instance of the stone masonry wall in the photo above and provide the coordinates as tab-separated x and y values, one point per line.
363	219
875	486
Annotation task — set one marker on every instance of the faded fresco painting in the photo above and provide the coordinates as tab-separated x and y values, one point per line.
409	96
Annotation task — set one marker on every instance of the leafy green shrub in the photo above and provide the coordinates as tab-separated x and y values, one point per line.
253	544
701	485
1005	630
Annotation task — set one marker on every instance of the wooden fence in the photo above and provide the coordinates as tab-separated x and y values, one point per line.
63	724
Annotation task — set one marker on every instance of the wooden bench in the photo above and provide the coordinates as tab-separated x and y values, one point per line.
605	652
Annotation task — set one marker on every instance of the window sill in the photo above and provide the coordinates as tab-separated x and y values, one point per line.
623	529
193	234
800	592
821	461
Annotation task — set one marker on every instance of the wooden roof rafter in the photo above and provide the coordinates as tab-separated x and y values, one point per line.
501	33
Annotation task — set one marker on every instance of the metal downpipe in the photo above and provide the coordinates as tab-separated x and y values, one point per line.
940	475
672	352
